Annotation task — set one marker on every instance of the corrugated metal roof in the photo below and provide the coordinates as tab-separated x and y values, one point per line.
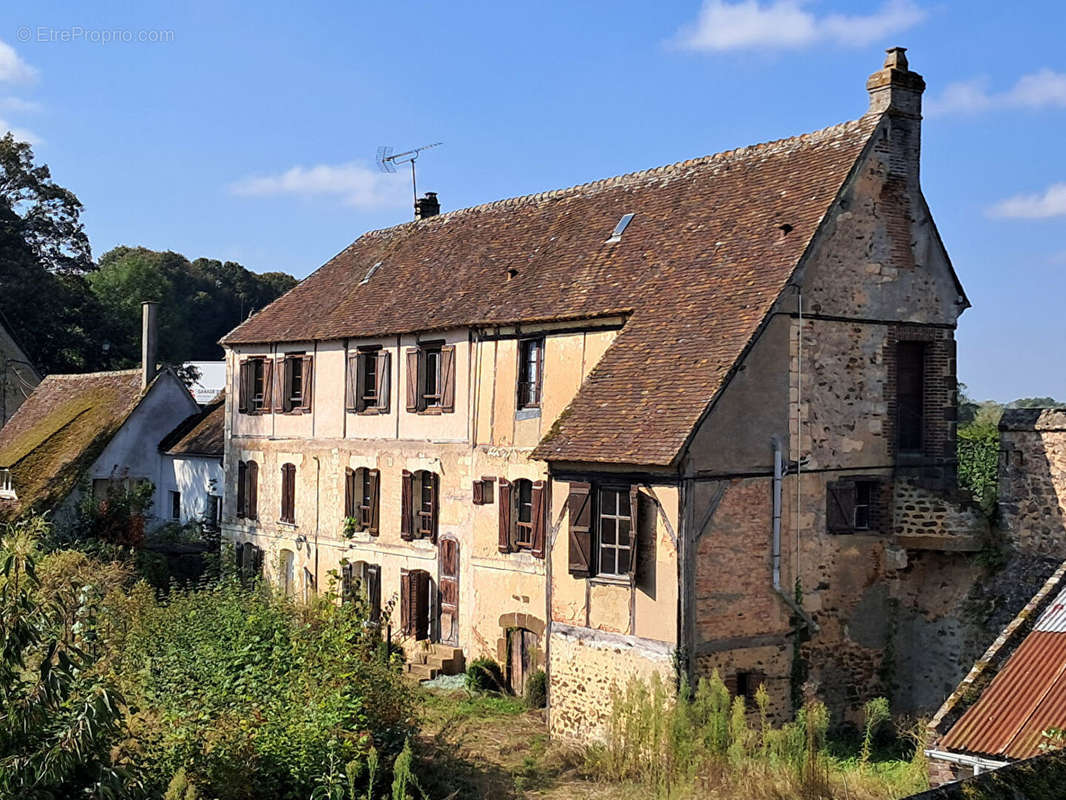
1027	697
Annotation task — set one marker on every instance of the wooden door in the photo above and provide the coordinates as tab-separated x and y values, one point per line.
521	646
414	603
449	591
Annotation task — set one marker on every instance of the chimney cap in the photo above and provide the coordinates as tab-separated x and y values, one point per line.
896	58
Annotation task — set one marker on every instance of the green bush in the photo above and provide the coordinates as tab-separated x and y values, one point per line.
537	689
484	675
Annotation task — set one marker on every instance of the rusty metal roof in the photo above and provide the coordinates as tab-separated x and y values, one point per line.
1026	698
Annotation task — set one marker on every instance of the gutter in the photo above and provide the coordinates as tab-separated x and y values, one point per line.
977	763
790	601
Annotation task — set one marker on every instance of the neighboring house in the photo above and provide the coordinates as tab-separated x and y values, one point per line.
17	376
612	430
1012	704
211	380
191	479
78	432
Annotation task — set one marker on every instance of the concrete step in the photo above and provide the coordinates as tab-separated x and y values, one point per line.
421	672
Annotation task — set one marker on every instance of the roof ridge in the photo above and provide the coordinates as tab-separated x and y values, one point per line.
100	374
723	156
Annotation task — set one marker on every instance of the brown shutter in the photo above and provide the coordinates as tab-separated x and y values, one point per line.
360	381
407	507
251	503
413	404
537	496
405	602
840	506
435	478
243	395
286	385
288	493
634	523
242	478
479	493
309	382
268	383
351	384
349	492
384	379
504	544
375	480
447	378
579	504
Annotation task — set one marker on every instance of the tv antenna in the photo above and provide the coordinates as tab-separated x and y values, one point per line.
387	162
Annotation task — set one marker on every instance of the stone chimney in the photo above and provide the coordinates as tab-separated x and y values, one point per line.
427	206
896	93
149	336
895	89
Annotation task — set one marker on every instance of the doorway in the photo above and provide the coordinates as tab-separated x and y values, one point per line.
414	603
521	649
449	591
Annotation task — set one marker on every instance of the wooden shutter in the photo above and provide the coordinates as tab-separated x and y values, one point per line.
238	557
243	395
350	502
373	591
309	383
351	384
242	480
268	383
347	584
539	507
435	479
257	562
479	493
384	379
579	504
251	503
405	602
360	381
407	507
504	544
634	524
286	384
840	506
375	495
447	378
413	394
288	493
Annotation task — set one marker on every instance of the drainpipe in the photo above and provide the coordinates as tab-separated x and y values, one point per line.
790	601
318	474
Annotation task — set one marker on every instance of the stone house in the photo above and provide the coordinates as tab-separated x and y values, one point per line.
618	429
18	377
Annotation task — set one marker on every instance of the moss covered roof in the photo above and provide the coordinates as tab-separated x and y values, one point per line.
59	431
201	434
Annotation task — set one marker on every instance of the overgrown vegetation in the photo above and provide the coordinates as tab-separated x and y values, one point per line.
712	745
217	690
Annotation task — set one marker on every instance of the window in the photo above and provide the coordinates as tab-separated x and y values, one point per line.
175	506
297	380
249	562
287	572
214	510
6	489
368	380
746	685
852	505
256	385
309	585
530	371
362	581
604	525
288	493
522	516
431	378
419	500
910	396
247	490
361	498
483	493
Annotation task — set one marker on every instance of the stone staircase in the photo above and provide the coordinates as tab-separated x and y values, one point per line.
427	660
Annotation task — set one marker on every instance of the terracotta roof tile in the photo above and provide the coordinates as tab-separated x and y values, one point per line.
697	269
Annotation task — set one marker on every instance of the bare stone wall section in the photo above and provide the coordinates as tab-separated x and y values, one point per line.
1032	480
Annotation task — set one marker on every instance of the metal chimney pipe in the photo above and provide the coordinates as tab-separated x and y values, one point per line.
149	336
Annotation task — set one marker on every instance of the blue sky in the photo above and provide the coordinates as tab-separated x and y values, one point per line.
248	131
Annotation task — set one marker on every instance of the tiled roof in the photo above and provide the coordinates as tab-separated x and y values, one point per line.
60	430
1026	697
201	434
697	270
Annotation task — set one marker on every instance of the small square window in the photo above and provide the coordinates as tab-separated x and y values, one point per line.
864	496
175	506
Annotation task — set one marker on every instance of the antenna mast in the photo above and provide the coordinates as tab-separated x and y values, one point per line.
387	162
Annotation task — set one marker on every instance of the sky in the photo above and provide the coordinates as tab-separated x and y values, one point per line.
248	131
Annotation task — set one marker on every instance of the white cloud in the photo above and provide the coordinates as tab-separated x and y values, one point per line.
21	134
1043	89
354	183
12	68
750	24
1050	203
18	105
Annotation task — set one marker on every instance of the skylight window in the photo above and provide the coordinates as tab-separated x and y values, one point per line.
370	273
619	229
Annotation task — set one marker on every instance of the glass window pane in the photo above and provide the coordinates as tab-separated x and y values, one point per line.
608	502
623	504
607	561
607	531
623	532
623	561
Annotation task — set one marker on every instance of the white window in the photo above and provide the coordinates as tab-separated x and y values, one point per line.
6	489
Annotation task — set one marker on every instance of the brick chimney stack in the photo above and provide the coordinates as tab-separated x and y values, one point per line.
149	337
427	206
896	93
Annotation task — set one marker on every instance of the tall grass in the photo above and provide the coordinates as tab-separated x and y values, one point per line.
710	744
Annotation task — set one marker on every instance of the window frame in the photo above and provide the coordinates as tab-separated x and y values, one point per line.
430	353
248	401
911	436
174	496
620	491
292	362
529	389
522	531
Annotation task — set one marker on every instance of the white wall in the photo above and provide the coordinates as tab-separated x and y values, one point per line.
196	478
